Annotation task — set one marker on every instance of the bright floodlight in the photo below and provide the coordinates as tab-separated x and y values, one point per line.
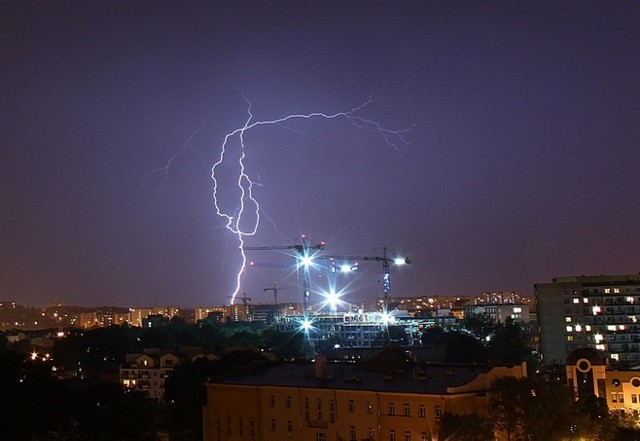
386	318
333	299
400	260
306	261
306	324
345	268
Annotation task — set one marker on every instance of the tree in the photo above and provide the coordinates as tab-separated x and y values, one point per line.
480	325
470	427
509	345
531	410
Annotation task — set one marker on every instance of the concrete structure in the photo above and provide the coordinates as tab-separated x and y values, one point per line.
147	372
324	402
499	313
589	374
599	312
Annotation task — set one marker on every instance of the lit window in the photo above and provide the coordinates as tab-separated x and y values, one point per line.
517	309
600	347
611	327
596	310
569	328
578	328
621	327
616	290
567	319
576	301
629	299
585	300
607	290
598	338
587	328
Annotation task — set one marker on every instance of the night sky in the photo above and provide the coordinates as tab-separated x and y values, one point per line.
521	164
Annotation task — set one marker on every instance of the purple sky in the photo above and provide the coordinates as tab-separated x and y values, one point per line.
522	164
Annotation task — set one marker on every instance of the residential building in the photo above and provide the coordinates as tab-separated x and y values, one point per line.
320	402
147	372
599	312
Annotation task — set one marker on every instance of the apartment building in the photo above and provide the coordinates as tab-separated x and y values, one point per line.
148	372
321	402
600	312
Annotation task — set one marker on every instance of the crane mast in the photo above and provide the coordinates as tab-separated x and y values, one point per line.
304	260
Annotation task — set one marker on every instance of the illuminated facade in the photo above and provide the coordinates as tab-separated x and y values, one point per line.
313	403
147	372
588	373
600	312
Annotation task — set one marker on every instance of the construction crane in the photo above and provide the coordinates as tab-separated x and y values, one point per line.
245	303
386	262
275	290
304	261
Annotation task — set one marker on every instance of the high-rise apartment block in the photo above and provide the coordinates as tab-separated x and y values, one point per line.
600	312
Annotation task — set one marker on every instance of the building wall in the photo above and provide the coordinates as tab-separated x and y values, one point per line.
274	413
601	312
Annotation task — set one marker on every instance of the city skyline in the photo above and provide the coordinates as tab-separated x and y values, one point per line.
518	166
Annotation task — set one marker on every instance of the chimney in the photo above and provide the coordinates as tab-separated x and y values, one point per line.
321	366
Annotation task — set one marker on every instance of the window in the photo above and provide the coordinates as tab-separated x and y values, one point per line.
392	435
289	426
287	402
422	411
634	398
369	407
406	409
306	409
437	411
352	432
228	424
423	436
321	436
320	414
392	408
272	401
621	397
332	411
252	426
407	435
240	426
352	406
273	425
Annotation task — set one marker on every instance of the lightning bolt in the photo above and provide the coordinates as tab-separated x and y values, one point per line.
234	220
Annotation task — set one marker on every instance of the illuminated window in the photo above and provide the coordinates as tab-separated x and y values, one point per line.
576	301
607	290
585	300
616	290
611	327
569	328
587	328
596	310
569	337
567	319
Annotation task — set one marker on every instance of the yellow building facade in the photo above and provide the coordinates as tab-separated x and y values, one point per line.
292	402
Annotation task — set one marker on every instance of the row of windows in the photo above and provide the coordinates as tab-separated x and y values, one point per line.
406	409
407	436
